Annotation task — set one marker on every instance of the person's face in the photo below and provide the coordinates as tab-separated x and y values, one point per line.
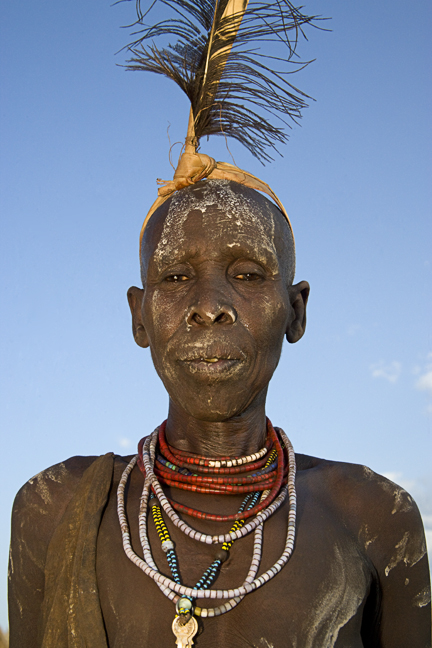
216	304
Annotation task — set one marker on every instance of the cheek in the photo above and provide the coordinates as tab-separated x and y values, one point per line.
267	325
267	320
157	311
163	314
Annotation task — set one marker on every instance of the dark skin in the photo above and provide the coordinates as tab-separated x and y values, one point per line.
216	306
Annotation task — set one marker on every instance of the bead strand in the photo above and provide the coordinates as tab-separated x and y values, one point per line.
249	585
199	461
204	612
170	506
210	574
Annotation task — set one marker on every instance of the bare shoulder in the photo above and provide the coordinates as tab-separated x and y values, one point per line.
42	501
366	500
382	517
37	511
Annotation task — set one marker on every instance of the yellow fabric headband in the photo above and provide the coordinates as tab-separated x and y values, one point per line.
193	167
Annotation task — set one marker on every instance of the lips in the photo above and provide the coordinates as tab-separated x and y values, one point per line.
213	367
212	359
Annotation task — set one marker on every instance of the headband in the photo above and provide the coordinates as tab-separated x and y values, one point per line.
193	167
218	62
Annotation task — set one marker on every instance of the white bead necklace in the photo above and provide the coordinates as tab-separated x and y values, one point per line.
170	588
149	450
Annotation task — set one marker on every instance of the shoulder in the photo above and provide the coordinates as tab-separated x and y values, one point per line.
57	482
355	486
382	516
357	489
38	514
41	502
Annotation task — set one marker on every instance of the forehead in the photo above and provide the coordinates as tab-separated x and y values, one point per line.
215	215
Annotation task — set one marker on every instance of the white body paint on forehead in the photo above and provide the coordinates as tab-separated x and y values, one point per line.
255	221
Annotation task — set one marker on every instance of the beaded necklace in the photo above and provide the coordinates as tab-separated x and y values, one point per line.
273	467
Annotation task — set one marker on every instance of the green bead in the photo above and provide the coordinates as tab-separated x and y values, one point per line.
183	604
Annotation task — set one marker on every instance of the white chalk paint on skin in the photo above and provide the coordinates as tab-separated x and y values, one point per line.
403	502
337	602
41	488
265	644
52	474
366	536
368	473
423	598
11	565
409	550
237	209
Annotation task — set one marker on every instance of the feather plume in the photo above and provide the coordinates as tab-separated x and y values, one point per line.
219	62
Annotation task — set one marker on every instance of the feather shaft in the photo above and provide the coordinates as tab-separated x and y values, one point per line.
224	58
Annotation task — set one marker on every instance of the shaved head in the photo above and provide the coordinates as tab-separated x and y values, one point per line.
243	209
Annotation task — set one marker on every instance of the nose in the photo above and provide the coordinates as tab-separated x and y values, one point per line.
209	308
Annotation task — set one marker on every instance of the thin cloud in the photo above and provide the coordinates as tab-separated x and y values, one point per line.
124	442
390	372
424	383
398	478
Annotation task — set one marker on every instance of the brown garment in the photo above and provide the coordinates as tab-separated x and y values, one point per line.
71	612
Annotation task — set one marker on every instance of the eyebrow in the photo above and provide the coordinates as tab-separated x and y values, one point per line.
241	246
264	255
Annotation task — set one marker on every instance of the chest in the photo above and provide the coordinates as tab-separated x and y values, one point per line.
316	600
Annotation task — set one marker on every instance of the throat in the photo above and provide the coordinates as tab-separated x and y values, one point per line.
241	435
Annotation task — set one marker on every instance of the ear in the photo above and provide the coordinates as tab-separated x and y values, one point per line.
298	298
135	297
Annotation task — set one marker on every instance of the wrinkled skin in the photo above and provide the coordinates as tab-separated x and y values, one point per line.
217	289
216	304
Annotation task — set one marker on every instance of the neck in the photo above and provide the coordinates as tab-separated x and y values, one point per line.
238	436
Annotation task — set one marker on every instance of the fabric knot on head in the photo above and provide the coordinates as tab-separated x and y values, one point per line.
191	168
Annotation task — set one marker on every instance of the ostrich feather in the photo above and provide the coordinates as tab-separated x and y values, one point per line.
225	59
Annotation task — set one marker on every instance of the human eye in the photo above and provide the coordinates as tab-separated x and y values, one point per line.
247	271
176	277
248	276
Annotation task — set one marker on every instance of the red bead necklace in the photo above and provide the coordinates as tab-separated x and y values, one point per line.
172	468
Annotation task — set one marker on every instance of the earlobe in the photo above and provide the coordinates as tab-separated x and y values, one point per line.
298	298
135	297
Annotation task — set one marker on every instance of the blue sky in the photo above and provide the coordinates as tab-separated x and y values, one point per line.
82	145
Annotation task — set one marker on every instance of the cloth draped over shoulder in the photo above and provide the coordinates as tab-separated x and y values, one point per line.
71	612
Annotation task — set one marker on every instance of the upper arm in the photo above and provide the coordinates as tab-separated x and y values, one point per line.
37	509
393	537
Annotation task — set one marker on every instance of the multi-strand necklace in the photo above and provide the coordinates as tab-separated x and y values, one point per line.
265	477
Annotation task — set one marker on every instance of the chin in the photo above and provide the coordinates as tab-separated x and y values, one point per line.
214	407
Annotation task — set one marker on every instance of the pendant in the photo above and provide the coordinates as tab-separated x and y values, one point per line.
185	633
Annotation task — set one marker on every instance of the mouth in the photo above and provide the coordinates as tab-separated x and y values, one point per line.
211	365
212	361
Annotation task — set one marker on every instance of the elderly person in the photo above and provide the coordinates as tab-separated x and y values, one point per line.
216	533
217	301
